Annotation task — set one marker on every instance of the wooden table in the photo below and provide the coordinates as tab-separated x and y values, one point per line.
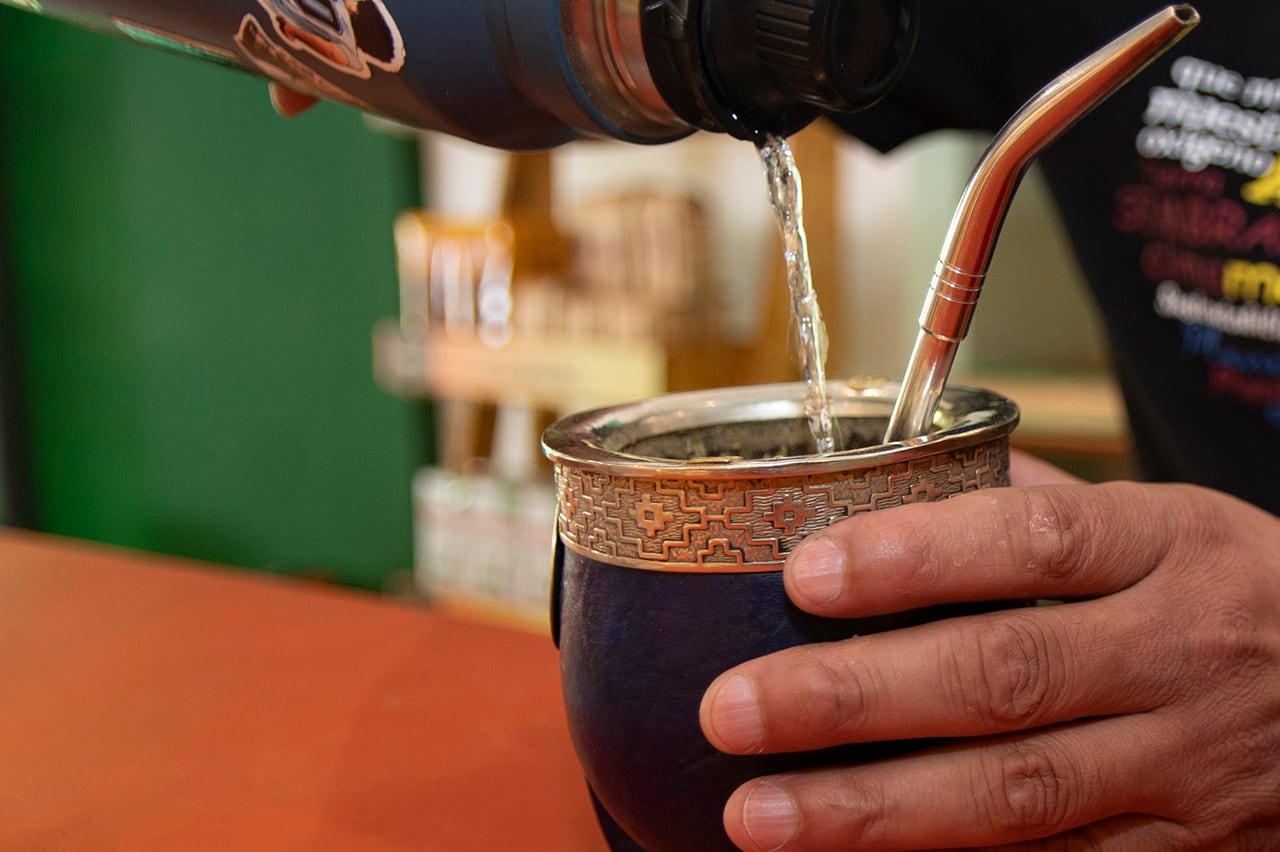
154	703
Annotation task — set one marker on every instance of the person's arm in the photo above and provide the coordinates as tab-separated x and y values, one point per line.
1142	714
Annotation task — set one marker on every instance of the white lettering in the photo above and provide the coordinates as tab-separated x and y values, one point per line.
1195	75
1252	320
1261	93
1176	108
1197	151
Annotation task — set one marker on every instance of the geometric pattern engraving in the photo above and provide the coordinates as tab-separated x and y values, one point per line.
748	524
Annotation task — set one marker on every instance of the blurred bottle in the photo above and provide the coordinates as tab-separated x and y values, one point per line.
522	74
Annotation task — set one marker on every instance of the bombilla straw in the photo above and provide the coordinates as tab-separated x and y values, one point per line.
971	237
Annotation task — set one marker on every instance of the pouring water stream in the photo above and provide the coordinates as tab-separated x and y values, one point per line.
786	199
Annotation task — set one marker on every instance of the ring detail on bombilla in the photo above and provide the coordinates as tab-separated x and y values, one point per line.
975	225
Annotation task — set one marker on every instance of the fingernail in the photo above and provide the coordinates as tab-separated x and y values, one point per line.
735	715
817	571
770	816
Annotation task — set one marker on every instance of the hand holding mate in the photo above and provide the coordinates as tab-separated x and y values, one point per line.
1142	713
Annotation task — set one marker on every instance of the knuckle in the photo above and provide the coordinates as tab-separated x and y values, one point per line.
862	812
1030	791
1054	539
1015	657
1231	642
1242	717
923	561
1202	518
1231	638
838	692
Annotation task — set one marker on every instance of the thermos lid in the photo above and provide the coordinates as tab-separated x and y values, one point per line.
772	66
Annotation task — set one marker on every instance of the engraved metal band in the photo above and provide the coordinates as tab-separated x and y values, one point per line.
748	525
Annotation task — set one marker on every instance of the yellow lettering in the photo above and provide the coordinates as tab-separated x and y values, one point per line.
1244	281
1266	189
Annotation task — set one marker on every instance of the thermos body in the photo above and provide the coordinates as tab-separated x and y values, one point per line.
433	65
521	74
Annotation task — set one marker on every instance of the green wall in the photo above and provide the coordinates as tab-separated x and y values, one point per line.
193	284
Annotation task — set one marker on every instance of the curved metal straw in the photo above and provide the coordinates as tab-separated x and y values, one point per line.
971	238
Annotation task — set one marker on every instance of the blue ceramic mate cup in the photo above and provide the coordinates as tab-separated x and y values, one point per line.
675	516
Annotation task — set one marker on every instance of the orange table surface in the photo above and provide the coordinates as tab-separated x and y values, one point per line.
154	703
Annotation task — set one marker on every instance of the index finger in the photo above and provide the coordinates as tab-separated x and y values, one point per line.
1056	541
288	102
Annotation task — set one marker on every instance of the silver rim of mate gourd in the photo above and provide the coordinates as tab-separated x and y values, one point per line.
718	480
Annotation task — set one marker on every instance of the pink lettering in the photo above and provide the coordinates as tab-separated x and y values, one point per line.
1130	214
1255	390
1263	235
1164	261
1211	181
1186	220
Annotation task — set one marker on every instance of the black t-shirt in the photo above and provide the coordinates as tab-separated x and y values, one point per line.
1170	192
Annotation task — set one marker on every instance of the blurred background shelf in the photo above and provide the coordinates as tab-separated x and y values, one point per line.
1071	410
511	320
553	373
1076	420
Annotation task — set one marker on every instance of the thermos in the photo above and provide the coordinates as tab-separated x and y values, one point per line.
522	74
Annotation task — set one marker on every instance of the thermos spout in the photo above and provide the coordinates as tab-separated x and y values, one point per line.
975	225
